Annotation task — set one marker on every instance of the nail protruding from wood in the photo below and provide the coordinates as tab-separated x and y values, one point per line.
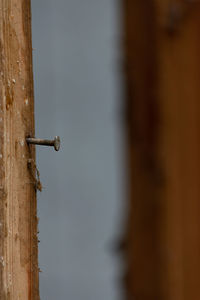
55	142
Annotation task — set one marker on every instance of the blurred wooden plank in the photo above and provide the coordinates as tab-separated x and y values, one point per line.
18	219
162	41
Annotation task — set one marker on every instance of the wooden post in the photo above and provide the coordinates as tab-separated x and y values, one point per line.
162	42
18	219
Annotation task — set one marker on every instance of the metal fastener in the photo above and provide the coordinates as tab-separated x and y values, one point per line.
55	142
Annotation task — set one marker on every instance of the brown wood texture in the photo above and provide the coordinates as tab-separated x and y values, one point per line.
162	244
18	219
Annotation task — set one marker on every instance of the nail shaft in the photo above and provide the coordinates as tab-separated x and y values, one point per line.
55	143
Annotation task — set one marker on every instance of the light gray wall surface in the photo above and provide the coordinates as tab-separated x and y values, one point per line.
77	88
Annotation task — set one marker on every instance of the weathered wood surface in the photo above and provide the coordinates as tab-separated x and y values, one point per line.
162	245
18	219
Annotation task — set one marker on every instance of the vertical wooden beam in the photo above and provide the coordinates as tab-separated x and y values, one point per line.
18	219
142	279
162	42
179	93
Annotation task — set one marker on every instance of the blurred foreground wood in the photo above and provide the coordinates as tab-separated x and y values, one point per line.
18	220
162	245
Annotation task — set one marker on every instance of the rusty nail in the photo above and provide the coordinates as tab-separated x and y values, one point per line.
55	142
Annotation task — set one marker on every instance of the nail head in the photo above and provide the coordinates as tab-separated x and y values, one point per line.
57	143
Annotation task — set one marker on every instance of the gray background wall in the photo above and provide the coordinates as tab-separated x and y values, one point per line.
77	88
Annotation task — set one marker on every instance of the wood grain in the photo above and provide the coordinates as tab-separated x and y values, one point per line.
18	214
